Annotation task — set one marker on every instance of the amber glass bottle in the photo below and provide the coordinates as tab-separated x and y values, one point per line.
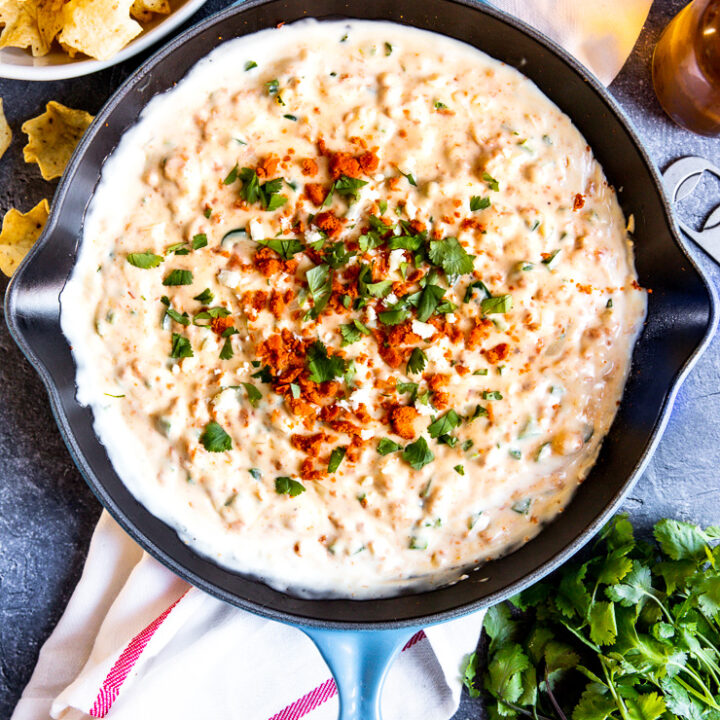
686	67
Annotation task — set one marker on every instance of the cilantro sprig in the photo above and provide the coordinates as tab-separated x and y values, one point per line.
632	633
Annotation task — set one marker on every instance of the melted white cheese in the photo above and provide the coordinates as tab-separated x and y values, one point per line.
452	117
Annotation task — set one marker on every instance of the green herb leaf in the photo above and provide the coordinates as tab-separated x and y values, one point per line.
253	394
181	347
144	260
353	331
250	64
386	446
288	486
284	247
319	282
409	177
178	277
498	304
444	424
451	256
199	241
215	439
416	363
323	367
336	457
418	454
491	181
348	187
250	190
205	296
479	203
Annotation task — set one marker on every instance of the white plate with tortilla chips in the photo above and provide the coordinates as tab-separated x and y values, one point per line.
58	39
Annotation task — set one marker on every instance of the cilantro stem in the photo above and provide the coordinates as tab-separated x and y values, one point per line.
558	710
706	696
611	687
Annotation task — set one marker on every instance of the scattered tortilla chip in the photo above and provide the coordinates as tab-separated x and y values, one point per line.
21	27
49	18
5	131
98	28
19	233
143	9
52	137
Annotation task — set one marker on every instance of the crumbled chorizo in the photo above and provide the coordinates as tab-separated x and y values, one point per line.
220	324
327	222
315	193
310	444
497	353
269	263
343	163
402	420
268	166
480	330
309	167
578	201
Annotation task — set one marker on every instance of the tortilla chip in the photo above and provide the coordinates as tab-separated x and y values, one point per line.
52	137
5	131
49	18
98	28
143	9
21	27
19	233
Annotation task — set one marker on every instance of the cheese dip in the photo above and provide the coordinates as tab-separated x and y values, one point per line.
354	308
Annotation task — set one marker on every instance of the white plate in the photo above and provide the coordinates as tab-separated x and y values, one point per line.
57	65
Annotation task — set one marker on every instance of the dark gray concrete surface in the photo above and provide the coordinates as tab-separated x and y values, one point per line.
47	513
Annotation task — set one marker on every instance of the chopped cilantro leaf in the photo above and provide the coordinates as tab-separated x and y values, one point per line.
319	282
215	439
394	315
348	187
250	190
323	367
227	352
353	331
479	203
479	411
253	394
178	277
181	347
288	486
499	304
388	49
386	446
444	424
408	387
291	117
256	473
491	181
272	86
231	176
429	301
336	457
285	248
417	361
250	64
418	454
205	296
177	317
199	241
409	177
144	260
491	395
451	256
440	105
522	507
551	260
459	469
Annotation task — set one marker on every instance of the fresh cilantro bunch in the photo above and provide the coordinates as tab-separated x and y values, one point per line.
633	633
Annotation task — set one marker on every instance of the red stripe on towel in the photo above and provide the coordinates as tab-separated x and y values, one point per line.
124	664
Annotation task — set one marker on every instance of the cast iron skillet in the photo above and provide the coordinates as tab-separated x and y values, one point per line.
681	318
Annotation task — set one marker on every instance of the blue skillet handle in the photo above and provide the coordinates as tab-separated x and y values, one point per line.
359	661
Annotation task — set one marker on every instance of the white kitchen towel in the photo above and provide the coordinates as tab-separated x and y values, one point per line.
138	643
599	33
